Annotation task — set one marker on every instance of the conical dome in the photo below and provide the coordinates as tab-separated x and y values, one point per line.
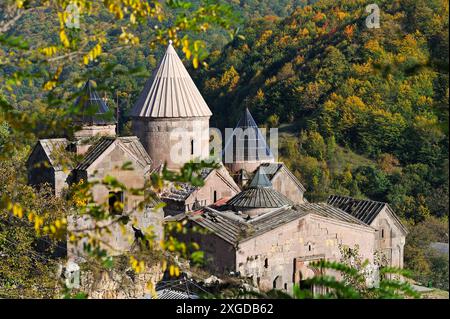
91	108
170	92
260	194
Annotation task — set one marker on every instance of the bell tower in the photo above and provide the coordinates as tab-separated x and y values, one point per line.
170	117
93	116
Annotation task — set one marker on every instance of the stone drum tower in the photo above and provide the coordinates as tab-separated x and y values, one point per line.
171	118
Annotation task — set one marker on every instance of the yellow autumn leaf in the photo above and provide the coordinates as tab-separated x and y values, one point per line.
17	210
195	62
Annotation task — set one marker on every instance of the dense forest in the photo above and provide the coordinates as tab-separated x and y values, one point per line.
361	112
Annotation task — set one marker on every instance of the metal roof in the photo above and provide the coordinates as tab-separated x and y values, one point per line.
259	194
363	209
91	108
228	226
329	211
49	146
170	92
132	143
172	294
247	142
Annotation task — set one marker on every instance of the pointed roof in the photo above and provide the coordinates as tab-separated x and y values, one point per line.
91	108
260	179
247	142
170	92
365	210
259	194
131	143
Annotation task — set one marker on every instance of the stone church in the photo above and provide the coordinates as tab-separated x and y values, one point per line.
259	223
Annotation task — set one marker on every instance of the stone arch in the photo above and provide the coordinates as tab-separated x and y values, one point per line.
278	282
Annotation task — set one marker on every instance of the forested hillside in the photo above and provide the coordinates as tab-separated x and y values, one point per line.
362	112
382	93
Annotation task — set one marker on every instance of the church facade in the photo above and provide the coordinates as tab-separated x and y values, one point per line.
259	223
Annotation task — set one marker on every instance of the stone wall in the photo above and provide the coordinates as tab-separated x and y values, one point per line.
110	163
119	285
95	130
219	182
390	239
270	257
155	136
219	255
284	184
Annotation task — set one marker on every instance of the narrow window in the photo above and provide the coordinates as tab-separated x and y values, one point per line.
285	286
234	148
309	247
192	147
246	148
266	263
116	202
382	233
215	196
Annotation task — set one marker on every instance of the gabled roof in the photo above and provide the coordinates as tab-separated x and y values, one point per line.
91	108
247	142
49	146
132	144
259	194
181	191
271	169
328	211
364	209
170	92
225	225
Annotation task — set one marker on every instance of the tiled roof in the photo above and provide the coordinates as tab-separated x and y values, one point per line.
131	143
170	92
328	211
260	194
247	142
50	146
233	229
363	209
91	108
172	294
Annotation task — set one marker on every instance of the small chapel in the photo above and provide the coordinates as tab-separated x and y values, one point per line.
258	221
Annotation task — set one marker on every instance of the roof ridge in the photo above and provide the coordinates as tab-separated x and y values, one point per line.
170	92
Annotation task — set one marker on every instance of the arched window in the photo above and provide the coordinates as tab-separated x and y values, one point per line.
277	282
245	148
266	263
